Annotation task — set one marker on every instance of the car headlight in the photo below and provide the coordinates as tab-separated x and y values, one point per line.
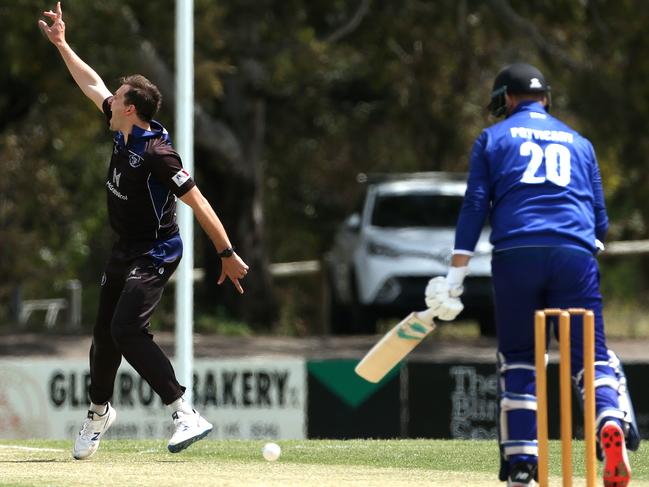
383	250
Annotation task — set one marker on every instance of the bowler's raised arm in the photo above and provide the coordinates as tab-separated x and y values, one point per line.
86	77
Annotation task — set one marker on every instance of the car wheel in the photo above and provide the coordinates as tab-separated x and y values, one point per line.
487	322
363	320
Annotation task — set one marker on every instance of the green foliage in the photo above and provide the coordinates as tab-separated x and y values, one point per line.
220	323
301	312
346	87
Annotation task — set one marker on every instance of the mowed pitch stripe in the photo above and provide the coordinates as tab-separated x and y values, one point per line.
27	448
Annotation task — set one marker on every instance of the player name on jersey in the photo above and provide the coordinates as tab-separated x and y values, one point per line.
536	134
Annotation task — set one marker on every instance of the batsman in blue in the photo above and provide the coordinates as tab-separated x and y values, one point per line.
538	183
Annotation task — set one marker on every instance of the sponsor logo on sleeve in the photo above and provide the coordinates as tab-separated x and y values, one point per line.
181	177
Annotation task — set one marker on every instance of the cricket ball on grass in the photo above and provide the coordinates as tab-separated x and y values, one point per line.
271	451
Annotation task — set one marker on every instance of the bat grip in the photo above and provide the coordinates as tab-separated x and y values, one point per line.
426	316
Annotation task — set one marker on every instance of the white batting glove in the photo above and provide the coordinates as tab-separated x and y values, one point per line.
455	278
443	293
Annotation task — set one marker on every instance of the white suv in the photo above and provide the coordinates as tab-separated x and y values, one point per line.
383	256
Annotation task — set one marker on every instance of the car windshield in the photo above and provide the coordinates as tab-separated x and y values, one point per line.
416	210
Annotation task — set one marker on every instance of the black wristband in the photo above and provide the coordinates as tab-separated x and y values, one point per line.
226	252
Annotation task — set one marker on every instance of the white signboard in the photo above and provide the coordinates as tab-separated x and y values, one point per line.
242	398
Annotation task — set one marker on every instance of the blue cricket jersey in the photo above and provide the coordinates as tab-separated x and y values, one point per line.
539	183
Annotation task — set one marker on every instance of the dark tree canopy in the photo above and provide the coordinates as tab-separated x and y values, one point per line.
293	99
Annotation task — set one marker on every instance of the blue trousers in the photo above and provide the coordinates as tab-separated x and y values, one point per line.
525	280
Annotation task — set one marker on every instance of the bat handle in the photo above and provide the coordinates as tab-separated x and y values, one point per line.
426	316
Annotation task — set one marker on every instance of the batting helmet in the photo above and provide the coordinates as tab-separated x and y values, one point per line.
518	78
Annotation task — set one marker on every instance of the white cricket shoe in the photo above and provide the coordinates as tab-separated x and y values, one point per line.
190	427
91	432
522	475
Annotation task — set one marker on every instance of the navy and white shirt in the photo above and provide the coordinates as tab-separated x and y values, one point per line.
538	181
144	178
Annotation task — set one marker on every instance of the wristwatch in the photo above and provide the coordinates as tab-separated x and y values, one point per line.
226	252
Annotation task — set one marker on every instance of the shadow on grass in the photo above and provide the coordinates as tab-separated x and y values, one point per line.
52	460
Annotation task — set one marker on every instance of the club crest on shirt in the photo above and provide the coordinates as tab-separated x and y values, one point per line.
134	160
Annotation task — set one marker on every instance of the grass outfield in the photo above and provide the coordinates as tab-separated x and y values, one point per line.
319	463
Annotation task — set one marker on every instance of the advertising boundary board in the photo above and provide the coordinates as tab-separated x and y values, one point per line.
283	398
244	399
420	399
342	405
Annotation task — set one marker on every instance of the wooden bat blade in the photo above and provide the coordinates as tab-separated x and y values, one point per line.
395	345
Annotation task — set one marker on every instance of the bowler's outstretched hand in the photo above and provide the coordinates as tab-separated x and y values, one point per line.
55	32
235	269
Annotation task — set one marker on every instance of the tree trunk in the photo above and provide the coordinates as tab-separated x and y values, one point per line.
242	201
229	163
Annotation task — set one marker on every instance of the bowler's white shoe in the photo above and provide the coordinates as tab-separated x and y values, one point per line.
91	432
190	427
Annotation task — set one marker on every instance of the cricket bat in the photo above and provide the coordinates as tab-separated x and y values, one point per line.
395	345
